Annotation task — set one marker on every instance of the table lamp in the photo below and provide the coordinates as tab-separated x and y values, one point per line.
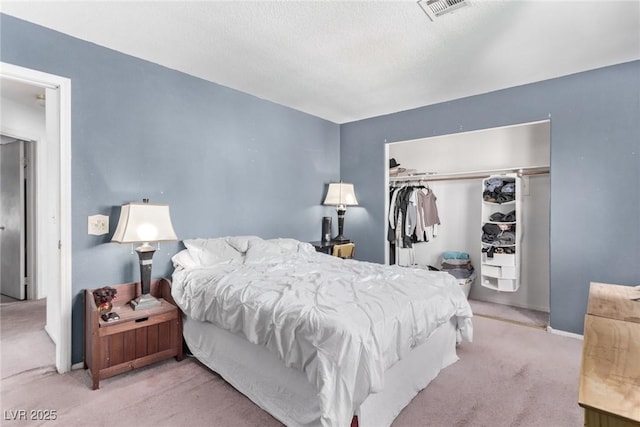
340	195
144	223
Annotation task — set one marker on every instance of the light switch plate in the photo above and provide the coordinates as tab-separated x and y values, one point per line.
98	225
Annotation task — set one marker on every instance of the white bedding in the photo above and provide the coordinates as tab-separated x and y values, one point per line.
287	395
341	322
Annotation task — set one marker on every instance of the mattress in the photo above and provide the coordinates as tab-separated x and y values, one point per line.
286	393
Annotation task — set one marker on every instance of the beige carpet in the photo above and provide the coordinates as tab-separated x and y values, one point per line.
6	298
24	345
509	376
508	313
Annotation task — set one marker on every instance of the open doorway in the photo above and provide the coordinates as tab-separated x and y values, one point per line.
17	220
51	233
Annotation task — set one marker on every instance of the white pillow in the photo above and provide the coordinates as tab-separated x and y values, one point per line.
241	243
262	251
183	259
306	248
286	244
211	251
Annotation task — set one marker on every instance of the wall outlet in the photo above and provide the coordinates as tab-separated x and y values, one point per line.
98	225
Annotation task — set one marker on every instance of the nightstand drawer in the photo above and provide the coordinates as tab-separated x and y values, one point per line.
130	319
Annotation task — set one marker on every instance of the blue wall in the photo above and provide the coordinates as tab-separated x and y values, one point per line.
230	163
595	173
227	162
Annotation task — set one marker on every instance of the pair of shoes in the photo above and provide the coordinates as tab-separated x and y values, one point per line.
490	251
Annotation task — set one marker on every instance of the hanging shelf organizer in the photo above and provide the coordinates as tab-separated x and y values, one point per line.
501	232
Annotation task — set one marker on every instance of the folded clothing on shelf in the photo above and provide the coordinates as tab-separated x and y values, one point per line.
457	264
499	234
455	255
499	190
503	217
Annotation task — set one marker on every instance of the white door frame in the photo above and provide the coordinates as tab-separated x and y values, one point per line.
61	290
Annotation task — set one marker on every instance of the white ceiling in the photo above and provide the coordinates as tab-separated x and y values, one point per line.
350	60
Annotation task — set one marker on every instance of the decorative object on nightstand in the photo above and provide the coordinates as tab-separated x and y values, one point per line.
143	223
103	298
340	195
326	229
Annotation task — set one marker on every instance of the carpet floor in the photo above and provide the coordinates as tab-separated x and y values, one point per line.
539	319
509	376
24	344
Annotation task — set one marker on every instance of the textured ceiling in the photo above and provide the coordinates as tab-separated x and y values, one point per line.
349	60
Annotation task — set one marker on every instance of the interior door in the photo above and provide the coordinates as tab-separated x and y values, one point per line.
12	220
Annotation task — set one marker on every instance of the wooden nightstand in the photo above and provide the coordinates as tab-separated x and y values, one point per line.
137	339
326	247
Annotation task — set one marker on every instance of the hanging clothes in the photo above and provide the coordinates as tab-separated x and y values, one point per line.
429	210
413	215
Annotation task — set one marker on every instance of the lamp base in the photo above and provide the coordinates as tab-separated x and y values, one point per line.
144	302
340	238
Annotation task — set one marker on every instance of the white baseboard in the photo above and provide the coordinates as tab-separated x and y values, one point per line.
565	333
76	366
511	304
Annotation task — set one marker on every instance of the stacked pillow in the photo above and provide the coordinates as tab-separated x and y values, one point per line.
237	249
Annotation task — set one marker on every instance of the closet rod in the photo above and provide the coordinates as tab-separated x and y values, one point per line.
531	170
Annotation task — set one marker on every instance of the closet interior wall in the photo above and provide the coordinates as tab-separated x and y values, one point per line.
459	201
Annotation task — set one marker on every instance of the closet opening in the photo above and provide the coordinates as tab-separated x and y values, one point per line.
454	169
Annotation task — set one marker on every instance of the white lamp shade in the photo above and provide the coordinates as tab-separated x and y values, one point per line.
340	193
144	222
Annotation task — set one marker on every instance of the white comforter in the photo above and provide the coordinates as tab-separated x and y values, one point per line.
342	322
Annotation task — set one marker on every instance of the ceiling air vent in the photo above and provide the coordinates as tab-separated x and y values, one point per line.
436	8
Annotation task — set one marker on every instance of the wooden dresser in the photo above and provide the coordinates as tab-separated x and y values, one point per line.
610	372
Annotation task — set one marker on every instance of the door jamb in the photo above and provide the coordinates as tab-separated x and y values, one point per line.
37	78
35	289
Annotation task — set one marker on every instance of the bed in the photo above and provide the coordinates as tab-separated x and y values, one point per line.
315	339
